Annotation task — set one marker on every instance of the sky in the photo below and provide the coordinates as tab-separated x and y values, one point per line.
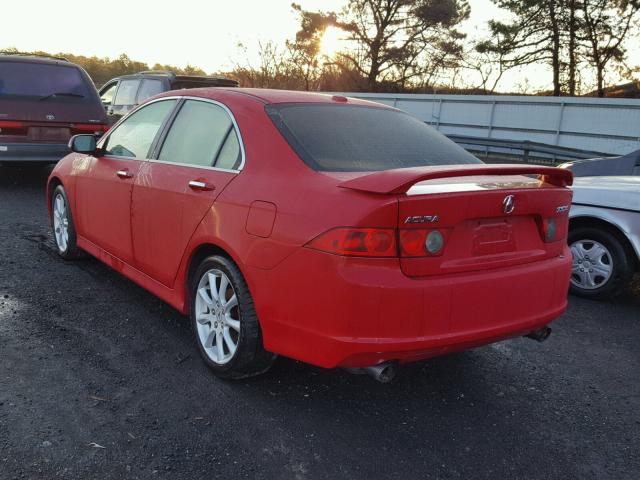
203	33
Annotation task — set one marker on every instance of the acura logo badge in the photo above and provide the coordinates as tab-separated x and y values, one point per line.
508	204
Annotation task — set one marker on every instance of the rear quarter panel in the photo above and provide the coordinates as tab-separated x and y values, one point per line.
627	221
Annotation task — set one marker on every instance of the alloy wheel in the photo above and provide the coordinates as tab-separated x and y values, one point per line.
60	222
217	316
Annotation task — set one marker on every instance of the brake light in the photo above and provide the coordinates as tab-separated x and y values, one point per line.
11	124
358	242
421	243
10	127
381	242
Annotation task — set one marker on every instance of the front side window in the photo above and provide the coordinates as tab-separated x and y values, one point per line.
203	135
44	81
148	89
127	92
134	136
106	96
354	138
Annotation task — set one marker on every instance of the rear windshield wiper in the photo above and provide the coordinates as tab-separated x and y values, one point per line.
61	94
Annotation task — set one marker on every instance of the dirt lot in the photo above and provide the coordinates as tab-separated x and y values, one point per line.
99	379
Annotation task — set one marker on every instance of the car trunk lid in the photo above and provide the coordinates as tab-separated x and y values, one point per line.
48	121
487	216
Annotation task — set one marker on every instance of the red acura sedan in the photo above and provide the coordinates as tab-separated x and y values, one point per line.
336	231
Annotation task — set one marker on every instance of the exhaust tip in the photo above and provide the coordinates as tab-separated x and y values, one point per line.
383	372
540	335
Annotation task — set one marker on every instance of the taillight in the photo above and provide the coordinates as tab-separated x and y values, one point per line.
95	128
381	242
421	243
358	242
10	127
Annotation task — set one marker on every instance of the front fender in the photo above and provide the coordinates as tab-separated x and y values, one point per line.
65	173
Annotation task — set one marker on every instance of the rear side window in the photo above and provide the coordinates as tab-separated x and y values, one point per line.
29	80
148	89
127	92
351	138
203	135
134	136
230	153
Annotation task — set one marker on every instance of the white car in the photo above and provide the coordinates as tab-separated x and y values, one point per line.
604	235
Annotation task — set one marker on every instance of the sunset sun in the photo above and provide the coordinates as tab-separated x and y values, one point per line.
332	41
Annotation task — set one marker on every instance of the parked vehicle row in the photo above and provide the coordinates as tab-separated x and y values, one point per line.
45	100
339	232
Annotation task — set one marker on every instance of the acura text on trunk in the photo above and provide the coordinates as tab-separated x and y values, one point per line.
336	231
43	102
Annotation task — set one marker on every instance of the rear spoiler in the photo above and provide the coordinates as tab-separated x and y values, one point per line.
398	181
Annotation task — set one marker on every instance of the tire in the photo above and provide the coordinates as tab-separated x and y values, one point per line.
596	251
64	232
219	323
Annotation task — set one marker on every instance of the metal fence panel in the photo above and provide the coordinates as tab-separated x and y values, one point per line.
609	125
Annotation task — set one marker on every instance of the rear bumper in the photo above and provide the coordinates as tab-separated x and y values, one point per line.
32	152
335	311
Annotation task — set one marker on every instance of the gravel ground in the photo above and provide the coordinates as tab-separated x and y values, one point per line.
99	379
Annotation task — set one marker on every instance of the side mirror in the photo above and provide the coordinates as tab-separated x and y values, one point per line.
83	143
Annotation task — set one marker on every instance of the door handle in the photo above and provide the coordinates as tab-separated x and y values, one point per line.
124	174
198	185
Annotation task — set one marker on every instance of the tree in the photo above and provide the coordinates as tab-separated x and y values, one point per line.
393	38
488	65
565	34
572	46
188	70
304	51
607	24
101	70
534	36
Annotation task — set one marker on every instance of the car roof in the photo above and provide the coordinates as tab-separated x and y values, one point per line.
35	59
272	96
174	77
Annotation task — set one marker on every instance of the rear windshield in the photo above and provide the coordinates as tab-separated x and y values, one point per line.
23	79
351	138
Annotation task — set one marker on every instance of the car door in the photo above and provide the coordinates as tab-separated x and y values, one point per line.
199	155
124	100
103	189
